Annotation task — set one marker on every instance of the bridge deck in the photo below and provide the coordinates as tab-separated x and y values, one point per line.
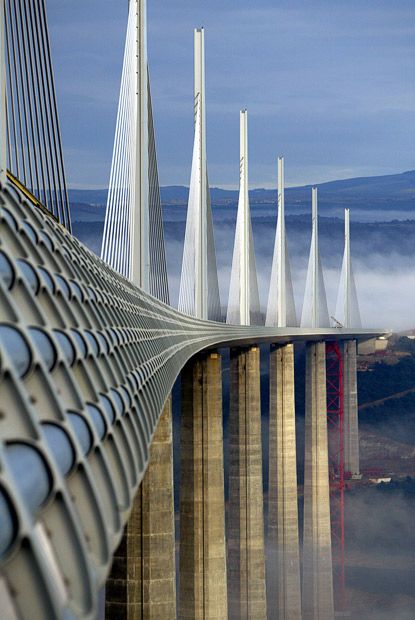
87	362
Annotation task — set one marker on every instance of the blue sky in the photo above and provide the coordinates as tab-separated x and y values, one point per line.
328	83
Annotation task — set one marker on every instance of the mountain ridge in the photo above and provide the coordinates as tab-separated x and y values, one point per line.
393	192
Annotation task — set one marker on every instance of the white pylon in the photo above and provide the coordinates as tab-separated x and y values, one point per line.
281	306
243	304
347	306
133	240
315	312
199	290
139	214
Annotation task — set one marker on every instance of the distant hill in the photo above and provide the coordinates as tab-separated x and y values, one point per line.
378	195
395	192
88	196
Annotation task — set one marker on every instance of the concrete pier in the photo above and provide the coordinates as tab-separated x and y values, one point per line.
142	582
203	594
283	561
350	410
317	596
246	560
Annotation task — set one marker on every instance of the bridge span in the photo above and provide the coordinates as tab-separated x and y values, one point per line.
87	363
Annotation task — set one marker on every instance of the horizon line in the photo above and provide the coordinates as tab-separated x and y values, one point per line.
265	187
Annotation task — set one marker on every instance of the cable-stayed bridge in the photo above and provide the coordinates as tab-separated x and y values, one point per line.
90	350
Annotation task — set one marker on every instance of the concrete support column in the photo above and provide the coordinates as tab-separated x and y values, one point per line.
246	559
350	411
142	582
203	594
283	584
317	600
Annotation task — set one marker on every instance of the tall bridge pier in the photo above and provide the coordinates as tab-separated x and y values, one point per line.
246	556
283	579
203	592
142	582
317	595
214	584
350	409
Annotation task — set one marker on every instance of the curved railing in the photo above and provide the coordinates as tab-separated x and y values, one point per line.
87	361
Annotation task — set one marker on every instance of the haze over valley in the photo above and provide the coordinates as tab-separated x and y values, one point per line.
382	231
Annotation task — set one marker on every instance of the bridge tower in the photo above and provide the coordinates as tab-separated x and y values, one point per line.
348	314
315	312
243	304
199	290
140	205
317	593
281	306
133	244
246	559
203	592
283	558
133	239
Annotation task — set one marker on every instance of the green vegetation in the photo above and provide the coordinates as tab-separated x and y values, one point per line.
385	380
396	416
